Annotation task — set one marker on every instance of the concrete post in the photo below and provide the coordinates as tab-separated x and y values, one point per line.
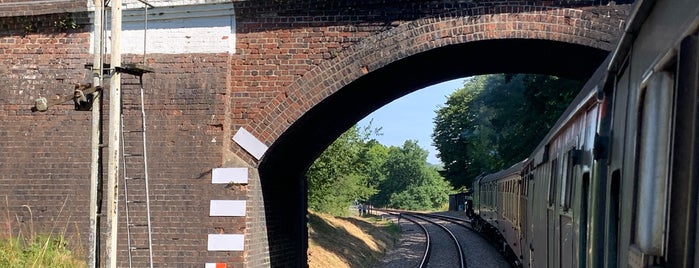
95	139
114	138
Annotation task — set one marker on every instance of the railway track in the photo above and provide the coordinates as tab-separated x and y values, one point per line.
482	251
442	247
449	242
425	245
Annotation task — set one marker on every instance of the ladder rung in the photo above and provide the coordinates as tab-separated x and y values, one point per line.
103	145
138	125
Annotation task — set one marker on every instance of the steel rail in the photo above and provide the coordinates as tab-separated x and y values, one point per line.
428	244
462	263
466	224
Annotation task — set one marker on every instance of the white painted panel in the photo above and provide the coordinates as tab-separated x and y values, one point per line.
131	4
226	242
227	208
210	265
251	144
207	28
163	3
228	175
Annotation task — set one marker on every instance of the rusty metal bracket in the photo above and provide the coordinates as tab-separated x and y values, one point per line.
82	96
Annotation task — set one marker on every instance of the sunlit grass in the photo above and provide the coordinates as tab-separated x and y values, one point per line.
28	247
42	251
348	241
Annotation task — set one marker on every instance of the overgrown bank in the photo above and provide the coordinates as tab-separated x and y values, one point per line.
348	241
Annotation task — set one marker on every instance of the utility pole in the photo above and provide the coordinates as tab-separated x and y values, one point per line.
97	67
114	142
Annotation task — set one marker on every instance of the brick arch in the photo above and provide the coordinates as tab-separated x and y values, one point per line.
559	26
317	107
525	33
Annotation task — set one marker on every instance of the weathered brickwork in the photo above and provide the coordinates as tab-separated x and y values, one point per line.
292	56
274	54
302	72
10	8
45	157
42	161
185	107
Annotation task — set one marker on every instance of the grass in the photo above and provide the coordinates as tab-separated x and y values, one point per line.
42	251
348	241
29	248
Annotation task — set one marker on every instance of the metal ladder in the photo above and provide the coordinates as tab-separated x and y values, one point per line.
135	181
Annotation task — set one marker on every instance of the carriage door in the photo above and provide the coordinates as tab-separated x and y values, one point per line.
682	250
567	233
552	218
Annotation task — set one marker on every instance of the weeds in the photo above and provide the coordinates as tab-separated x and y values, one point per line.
28	248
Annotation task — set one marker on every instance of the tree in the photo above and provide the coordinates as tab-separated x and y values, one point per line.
372	161
354	168
336	178
496	121
463	130
410	183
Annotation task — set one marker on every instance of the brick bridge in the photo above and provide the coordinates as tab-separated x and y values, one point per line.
251	92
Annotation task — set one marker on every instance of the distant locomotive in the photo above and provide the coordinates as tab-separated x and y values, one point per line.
615	183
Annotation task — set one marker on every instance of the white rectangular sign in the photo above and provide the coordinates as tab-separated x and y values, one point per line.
226	242
229	175
251	144
229	208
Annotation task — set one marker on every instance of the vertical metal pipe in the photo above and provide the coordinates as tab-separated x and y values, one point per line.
114	134
96	106
145	176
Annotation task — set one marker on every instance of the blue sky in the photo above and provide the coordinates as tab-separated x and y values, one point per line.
411	117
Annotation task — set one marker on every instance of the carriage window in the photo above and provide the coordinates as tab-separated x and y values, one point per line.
564	180
573	158
552	182
653	145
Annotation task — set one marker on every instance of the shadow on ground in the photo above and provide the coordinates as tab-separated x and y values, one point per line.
338	240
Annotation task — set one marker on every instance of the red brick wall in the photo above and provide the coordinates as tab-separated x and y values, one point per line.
45	156
278	52
296	56
185	108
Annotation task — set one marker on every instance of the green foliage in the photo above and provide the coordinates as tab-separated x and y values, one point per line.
411	183
340	176
66	24
42	251
355	168
496	121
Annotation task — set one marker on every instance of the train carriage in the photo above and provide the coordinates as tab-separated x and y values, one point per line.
650	206
615	183
558	187
496	209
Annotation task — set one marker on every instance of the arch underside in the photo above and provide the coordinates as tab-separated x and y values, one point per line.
308	136
283	167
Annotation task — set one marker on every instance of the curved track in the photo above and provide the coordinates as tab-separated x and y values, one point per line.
427	251
482	252
444	249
